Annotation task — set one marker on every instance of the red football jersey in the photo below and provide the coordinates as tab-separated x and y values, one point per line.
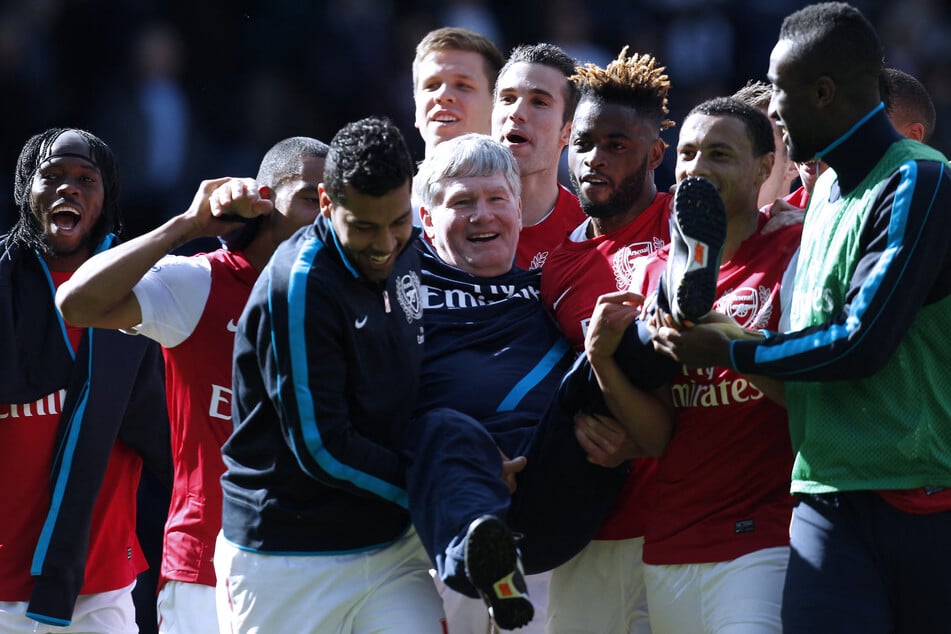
27	439
574	276
198	388
722	484
577	273
537	241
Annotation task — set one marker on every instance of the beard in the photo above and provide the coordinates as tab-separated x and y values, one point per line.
88	242
627	192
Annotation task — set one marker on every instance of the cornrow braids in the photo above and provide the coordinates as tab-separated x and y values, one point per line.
27	232
637	81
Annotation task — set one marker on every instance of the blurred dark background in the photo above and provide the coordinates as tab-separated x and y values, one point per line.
186	90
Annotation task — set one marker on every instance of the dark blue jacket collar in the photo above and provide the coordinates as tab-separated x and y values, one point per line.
854	156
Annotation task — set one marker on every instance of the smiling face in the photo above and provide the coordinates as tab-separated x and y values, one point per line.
528	116
66	198
612	155
453	96
474	224
372	230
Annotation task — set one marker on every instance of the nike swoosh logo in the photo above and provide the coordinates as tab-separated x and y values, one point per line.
554	305
232	327
360	323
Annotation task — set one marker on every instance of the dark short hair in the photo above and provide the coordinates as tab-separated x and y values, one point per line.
285	159
554	57
369	155
757	125
27	232
834	38
906	98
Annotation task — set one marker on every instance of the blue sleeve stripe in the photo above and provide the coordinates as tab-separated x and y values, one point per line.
310	430
530	380
48	620
59	315
62	477
68	448
871	286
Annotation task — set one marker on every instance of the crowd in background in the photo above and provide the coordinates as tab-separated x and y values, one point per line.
187	90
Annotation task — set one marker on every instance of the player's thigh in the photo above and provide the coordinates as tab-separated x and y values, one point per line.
674	596
300	594
833	583
402	598
111	612
744	596
918	566
186	608
601	589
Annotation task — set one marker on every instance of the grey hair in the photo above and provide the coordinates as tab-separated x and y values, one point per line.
464	157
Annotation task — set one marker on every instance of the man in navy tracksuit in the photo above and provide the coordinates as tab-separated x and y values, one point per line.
499	381
316	534
325	459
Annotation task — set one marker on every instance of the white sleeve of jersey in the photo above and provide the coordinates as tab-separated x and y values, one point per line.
172	298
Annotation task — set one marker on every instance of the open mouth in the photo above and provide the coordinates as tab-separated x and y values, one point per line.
483	237
514	138
65	219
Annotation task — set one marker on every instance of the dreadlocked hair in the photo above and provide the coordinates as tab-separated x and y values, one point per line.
27	232
636	81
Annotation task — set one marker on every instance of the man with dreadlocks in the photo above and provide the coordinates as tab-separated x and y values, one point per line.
80	408
615	147
191	305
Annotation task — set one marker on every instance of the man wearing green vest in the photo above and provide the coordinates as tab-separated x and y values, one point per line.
867	366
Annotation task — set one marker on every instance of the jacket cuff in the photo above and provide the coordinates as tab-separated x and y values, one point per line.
52	601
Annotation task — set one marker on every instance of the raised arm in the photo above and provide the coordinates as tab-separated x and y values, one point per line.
99	294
